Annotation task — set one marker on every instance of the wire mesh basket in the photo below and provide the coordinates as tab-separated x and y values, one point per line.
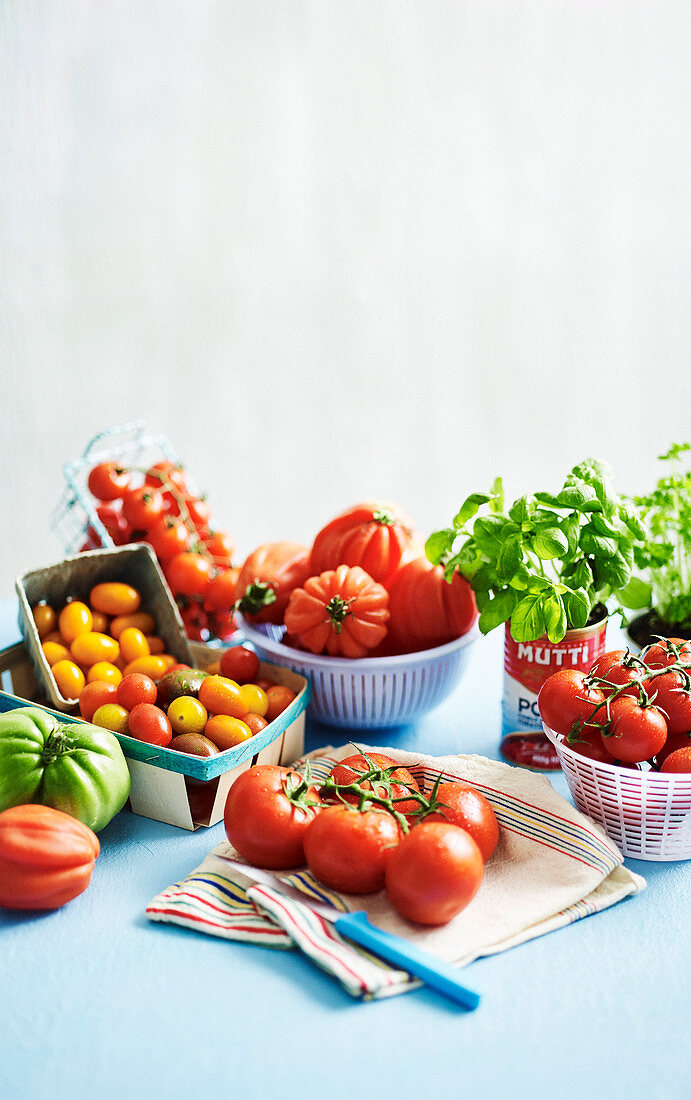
75	517
646	813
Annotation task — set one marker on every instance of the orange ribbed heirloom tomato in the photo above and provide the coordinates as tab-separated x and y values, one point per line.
46	857
342	612
373	536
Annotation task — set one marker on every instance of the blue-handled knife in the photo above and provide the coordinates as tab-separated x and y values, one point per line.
356	926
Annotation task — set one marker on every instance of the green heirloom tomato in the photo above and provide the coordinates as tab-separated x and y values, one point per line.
73	767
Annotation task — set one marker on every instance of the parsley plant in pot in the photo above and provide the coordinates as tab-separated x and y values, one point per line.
662	586
545	568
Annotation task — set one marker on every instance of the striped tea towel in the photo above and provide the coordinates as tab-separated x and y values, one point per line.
552	866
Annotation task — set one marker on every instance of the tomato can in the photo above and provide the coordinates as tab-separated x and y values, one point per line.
526	667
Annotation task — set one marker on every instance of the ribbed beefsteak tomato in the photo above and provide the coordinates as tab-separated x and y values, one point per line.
73	767
425	610
46	857
267	578
373	536
342	612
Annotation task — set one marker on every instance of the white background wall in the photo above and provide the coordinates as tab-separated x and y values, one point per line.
337	249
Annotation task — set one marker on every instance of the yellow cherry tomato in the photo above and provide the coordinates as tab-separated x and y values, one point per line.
101	622
112	717
156	644
153	666
115	598
69	678
221	695
187	715
104	670
75	618
256	699
133	644
55	651
92	647
45	619
141	619
226	731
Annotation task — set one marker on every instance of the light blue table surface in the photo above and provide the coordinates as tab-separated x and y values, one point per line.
95	1001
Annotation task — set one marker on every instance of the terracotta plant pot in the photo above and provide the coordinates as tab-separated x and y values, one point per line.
526	667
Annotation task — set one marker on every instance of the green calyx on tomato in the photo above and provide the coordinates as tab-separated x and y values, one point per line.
258	595
338	609
77	768
385	518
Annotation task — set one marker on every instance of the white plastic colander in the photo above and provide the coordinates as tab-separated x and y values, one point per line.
647	814
371	692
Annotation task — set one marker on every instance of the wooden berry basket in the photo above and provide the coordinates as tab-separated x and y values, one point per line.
169	786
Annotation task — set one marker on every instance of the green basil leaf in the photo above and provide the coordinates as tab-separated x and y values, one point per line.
614	571
522	510
496	504
528	619
539	584
510	559
547	498
578	606
550	543
555	617
597	546
438	544
469	508
497	611
488	532
635	595
571	528
484	578
576	495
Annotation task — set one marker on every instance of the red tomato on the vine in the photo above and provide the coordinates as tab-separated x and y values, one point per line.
189	574
461	804
394	782
221	546
435	871
267	814
142	507
670	692
168	477
636	732
663	653
108	481
566	697
168	536
348	850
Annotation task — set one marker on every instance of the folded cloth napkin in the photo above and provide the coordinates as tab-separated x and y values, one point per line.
552	866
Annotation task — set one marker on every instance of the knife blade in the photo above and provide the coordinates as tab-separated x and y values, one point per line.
357	927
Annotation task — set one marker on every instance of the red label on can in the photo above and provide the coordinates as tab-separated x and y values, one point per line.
526	667
531	663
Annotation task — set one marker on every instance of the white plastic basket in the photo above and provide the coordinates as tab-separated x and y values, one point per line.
647	814
372	692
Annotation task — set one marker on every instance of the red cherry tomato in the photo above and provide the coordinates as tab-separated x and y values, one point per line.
136	688
565	697
149	723
463	805
348	850
670	692
678	761
108	481
434	873
168	477
221	546
220	594
604	662
240	664
663	653
625	670
636	733
589	742
95	695
142	507
267	813
168	536
189	574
